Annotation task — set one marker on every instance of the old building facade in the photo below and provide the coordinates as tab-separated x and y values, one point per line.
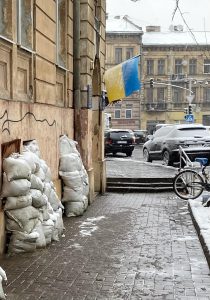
123	41
52	56
178	63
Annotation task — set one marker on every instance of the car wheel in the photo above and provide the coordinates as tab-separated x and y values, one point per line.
146	155
129	153
166	158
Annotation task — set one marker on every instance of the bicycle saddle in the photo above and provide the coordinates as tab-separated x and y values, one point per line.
202	160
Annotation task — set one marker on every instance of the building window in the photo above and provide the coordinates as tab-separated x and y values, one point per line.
178	66
25	24
161	67
129	53
177	95
61	33
160	94
118	55
117	113
207	66
5	19
150	67
128	113
192	66
206	94
149	95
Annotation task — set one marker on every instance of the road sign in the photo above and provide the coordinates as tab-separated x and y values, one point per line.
189	118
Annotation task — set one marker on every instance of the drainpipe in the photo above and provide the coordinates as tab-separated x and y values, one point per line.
76	70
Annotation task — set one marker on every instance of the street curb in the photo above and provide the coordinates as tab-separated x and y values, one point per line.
200	236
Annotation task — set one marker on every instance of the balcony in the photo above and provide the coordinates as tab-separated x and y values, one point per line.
155	106
177	77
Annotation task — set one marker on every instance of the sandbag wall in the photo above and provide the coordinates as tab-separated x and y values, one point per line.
33	209
74	177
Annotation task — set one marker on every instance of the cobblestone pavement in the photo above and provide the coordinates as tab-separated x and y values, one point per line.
125	246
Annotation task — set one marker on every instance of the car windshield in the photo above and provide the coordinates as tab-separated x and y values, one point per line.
191	132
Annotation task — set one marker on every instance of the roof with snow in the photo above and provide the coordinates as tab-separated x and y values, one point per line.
120	24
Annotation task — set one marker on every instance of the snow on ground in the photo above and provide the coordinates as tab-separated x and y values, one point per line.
201	215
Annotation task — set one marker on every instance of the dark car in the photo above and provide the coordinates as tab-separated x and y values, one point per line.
164	144
140	136
119	140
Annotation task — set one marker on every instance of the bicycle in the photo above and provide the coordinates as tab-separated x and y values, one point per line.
189	184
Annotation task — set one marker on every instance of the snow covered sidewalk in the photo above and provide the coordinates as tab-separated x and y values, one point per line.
201	217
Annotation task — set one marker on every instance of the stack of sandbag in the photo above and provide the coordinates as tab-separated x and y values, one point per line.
3	277
75	178
33	210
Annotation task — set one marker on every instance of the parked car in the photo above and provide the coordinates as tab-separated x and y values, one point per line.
164	144
140	136
119	140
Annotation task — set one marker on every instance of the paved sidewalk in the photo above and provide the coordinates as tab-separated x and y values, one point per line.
125	246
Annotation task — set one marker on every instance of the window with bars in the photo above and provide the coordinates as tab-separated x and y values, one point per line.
192	66
207	66
150	67
178	66
129	53
118	55
161	67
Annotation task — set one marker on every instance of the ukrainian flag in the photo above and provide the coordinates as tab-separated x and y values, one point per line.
122	80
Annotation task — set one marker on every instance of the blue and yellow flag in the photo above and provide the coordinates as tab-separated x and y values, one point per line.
122	80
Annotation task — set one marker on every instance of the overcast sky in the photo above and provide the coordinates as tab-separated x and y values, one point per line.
159	12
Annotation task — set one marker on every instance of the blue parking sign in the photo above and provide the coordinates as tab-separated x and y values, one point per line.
189	118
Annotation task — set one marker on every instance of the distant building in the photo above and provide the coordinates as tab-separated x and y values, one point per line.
177	61
123	41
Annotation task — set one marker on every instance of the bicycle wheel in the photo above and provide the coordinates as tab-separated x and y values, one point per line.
188	184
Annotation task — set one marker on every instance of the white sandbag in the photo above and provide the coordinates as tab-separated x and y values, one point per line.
70	163
38	199
18	202
16	168
72	195
3	277
85	189
85	201
72	179
43	165
59	222
36	183
12	225
44	213
32	146
67	146
48	175
32	159
41	241
40	174
73	209
54	200
47	189
15	188
23	215
22	242
48	227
